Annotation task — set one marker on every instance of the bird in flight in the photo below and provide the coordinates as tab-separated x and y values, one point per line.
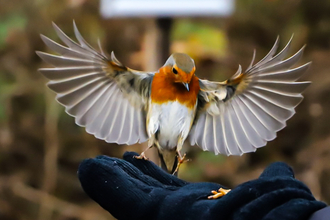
171	106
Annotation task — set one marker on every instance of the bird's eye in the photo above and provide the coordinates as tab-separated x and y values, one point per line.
175	71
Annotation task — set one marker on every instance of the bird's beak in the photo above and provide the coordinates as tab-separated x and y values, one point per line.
186	85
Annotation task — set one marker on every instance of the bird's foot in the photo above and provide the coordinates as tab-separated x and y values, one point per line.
181	160
217	194
142	156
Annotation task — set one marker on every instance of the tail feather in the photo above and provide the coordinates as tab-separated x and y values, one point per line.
168	160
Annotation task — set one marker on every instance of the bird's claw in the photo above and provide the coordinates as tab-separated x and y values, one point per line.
181	160
142	156
217	194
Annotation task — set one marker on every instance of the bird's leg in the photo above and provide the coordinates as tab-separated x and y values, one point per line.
181	160
142	155
217	194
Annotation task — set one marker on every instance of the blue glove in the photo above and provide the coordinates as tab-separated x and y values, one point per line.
131	189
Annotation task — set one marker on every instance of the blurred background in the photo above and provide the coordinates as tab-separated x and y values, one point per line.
41	147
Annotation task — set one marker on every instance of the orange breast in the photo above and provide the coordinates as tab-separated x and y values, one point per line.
164	89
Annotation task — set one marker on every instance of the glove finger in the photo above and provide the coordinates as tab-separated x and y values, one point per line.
112	183
296	209
281	172
277	169
276	178
131	170
259	207
151	169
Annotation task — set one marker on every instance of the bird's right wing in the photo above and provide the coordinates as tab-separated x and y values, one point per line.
102	94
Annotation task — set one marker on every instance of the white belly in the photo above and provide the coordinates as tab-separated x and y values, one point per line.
170	121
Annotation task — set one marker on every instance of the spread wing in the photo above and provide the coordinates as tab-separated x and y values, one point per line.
244	112
102	94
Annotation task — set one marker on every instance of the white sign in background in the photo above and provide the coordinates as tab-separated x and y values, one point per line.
166	8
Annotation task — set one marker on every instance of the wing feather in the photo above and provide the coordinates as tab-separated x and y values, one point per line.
249	108
282	100
216	145
67	73
273	106
82	41
229	136
103	95
116	119
105	121
290	75
198	135
127	126
250	131
62	50
264	114
80	83
285	64
96	122
73	45
208	140
141	127
61	61
223	137
90	108
81	107
221	147
238	131
268	57
255	119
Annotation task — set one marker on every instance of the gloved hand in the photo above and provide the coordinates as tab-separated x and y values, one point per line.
130	188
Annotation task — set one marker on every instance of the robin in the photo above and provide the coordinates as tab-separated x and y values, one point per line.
172	105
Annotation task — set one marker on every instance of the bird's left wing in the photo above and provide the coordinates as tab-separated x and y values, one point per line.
244	112
103	95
